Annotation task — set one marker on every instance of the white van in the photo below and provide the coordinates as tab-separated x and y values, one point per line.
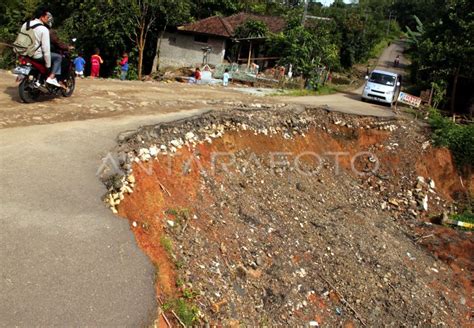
382	86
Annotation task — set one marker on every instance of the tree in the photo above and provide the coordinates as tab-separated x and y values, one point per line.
99	24
446	46
305	47
142	15
251	29
170	12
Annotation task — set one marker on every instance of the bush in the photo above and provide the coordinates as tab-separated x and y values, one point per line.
7	58
458	138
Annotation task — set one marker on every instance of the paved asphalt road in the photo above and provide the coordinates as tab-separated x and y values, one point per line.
66	260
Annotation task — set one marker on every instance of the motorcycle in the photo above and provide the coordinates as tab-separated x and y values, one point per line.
396	62
32	75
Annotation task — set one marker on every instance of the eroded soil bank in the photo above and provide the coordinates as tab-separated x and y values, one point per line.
286	217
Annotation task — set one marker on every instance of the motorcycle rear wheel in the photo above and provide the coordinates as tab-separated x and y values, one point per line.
27	93
70	86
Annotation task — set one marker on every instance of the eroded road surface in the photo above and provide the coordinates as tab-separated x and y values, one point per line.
65	259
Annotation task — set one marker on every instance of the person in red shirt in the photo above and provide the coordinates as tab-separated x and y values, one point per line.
96	60
196	76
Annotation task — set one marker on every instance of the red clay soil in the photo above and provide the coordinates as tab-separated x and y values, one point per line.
438	164
457	250
161	185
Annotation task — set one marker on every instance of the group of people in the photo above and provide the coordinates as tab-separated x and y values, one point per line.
196	77
96	61
50	50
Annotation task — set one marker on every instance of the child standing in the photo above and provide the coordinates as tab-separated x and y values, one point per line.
124	65
96	60
225	78
79	64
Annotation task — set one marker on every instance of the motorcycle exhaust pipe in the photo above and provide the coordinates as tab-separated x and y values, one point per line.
43	89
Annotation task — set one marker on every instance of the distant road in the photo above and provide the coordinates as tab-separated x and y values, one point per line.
350	102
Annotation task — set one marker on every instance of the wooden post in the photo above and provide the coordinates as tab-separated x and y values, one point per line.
250	54
455	84
431	96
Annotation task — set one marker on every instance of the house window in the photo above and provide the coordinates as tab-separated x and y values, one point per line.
201	38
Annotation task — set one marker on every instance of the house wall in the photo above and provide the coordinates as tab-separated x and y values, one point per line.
181	50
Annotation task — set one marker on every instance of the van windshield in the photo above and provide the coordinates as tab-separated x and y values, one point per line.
382	79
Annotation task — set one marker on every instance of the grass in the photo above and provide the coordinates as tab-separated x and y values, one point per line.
181	214
377	50
464	217
187	313
322	90
167	244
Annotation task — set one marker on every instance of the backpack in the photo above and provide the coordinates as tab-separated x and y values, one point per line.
24	44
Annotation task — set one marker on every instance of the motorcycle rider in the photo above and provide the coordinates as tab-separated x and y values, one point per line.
51	60
396	62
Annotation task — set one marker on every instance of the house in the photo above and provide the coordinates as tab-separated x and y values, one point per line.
212	41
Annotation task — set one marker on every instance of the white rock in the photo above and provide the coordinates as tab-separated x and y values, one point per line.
432	184
170	223
143	151
425	203
145	157
153	151
134	224
313	324
175	143
189	136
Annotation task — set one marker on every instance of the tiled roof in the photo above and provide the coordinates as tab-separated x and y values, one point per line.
225	26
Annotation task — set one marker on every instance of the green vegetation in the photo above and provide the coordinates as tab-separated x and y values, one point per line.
184	308
466	216
345	37
167	244
251	29
188	313
458	138
322	90
441	36
334	37
181	215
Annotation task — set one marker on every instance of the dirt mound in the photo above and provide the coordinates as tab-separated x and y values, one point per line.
264	217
